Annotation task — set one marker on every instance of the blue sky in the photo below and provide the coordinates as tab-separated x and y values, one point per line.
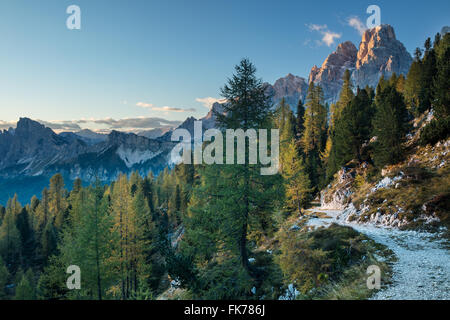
139	59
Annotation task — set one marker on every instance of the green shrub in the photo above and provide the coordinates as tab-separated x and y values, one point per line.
435	131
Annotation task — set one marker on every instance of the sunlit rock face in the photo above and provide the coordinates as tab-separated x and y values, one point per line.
329	75
380	54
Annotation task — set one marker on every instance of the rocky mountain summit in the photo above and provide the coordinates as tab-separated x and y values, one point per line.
291	87
329	76
379	54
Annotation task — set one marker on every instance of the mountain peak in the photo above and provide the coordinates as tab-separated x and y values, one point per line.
291	87
27	123
383	32
380	53
329	75
32	128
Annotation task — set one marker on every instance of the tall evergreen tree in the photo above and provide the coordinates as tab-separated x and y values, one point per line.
232	202
353	128
390	126
315	133
10	242
300	124
25	289
87	241
296	180
4	278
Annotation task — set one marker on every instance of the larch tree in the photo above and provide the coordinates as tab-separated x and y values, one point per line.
315	133
390	126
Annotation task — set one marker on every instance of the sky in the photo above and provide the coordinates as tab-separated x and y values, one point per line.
146	63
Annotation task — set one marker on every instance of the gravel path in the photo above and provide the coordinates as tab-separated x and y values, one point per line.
423	267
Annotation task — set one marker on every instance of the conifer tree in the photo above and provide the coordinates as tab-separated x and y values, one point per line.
353	128
296	180
441	84
390	125
86	242
345	96
25	289
27	238
315	133
57	201
4	277
231	202
10	242
300	116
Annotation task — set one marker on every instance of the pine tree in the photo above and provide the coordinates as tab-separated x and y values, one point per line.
248	107
427	72
119	209
345	96
353	128
57	201
441	84
296	180
10	242
231	202
4	277
142	235
52	281
390	125
86	242
25	289
27	238
439	127
49	241
294	174
315	133
412	86
300	124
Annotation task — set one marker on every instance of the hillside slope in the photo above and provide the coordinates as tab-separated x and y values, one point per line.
412	193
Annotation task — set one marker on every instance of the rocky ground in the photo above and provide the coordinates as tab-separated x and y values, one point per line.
422	269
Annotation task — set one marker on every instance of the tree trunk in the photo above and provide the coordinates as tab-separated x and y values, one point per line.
298	204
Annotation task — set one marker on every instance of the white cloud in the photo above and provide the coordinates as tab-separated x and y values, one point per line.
167	108
144	105
328	36
101	125
209	101
140	122
5	125
354	22
316	27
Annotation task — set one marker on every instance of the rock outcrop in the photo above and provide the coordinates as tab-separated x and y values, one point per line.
329	75
291	88
337	196
380	54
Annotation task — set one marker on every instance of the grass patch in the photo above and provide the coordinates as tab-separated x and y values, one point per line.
330	263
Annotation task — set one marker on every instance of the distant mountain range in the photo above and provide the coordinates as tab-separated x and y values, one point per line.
31	152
